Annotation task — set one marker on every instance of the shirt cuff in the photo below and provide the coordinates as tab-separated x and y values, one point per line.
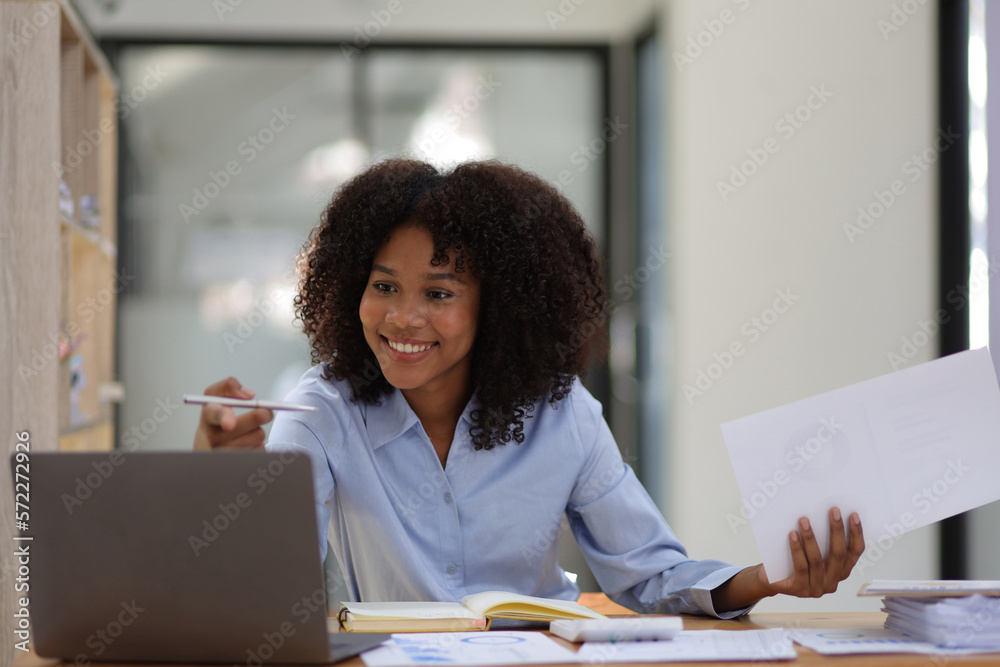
701	593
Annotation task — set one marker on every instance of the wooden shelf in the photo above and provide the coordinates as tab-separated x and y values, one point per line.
60	113
87	437
106	246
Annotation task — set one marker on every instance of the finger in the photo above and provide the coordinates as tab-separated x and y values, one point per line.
836	556
253	439
229	387
813	556
799	581
219	425
856	545
219	416
243	424
249	421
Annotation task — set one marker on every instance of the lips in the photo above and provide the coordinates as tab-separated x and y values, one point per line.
407	350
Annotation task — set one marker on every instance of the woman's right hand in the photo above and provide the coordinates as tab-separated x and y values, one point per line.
221	428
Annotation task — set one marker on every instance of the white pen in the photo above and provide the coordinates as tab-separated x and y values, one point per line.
246	403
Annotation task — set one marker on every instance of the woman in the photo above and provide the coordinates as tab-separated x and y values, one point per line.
450	317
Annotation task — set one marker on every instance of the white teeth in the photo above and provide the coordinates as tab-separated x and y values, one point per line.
407	348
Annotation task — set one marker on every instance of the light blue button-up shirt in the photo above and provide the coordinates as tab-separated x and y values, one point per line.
402	528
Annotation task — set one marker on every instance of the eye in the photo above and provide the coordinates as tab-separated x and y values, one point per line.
382	288
438	295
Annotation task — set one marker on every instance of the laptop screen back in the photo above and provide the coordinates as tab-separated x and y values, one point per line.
176	556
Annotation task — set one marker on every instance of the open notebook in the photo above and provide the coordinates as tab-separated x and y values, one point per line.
474	612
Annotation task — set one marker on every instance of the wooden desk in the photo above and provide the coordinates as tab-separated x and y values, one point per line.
807	657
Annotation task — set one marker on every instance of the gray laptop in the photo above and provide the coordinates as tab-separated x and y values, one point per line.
179	557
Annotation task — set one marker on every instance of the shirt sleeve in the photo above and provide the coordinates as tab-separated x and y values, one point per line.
633	553
289	433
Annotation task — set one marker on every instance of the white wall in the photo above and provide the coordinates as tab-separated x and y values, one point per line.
784	230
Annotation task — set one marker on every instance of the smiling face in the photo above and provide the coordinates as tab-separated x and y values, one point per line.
420	319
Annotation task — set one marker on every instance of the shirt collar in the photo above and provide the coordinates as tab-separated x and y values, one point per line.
390	420
395	417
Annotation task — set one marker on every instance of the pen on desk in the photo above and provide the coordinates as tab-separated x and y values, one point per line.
246	403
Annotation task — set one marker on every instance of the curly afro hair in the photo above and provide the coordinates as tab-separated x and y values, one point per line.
543	302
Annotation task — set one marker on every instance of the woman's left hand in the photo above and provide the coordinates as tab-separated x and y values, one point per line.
813	575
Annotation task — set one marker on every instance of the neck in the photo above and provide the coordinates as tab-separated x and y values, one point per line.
439	411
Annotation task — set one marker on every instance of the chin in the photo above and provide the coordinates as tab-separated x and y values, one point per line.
398	382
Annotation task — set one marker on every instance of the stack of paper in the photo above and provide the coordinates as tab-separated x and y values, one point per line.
857	641
953	614
966	622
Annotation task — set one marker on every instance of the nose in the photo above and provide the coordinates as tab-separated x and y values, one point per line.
407	313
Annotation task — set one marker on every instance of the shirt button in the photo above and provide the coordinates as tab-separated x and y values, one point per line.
452	569
447	498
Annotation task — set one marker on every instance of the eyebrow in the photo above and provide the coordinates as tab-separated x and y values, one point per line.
429	276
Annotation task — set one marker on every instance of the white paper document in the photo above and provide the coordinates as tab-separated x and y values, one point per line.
903	450
872	640
467	649
931	588
695	646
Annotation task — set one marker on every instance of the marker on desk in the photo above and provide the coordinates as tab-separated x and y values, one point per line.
246	403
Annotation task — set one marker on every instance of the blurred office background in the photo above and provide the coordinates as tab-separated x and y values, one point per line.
721	150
